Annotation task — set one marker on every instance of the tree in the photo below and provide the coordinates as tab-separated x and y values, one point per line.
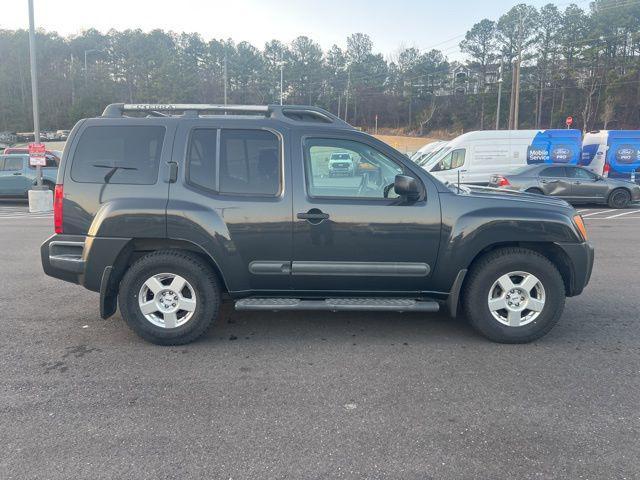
480	44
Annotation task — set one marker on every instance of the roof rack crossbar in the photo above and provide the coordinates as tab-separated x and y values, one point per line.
118	109
281	112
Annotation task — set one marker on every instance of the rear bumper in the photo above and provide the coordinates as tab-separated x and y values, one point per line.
80	259
581	257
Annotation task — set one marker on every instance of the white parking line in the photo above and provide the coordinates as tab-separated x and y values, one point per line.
622	214
583	210
597	213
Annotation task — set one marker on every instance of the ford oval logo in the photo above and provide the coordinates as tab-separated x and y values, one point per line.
561	154
627	154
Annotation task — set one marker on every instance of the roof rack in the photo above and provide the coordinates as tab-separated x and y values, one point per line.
287	113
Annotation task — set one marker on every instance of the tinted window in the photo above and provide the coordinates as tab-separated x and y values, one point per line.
120	154
367	174
13	163
201	158
553	172
249	162
580	173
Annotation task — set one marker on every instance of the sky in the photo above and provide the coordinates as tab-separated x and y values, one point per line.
391	24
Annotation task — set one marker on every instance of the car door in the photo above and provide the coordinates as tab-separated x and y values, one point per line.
553	181
13	180
586	186
354	234
233	200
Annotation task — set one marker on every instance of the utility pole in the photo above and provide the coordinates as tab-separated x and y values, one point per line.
86	72
225	79
73	83
512	96
499	96
346	102
410	103
34	87
516	109
281	81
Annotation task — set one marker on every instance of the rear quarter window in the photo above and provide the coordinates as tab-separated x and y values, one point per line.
118	154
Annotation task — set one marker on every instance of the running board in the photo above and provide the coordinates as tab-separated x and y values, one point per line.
339	304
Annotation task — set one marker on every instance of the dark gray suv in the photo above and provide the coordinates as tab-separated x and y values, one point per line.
168	209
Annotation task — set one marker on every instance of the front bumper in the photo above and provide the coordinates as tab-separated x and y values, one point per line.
581	257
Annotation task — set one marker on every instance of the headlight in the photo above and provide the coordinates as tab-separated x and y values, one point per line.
577	220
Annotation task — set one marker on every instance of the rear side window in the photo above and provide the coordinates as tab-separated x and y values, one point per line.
201	158
553	172
249	162
118	154
12	164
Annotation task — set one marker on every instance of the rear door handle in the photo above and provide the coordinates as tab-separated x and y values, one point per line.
313	214
18	173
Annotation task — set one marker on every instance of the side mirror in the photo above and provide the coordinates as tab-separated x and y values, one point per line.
406	186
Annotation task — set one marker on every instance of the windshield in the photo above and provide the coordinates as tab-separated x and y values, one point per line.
436	157
428	156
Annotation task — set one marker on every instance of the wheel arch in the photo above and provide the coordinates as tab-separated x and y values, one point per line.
136	249
549	250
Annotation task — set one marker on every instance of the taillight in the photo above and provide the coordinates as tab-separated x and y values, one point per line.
58	193
606	169
502	181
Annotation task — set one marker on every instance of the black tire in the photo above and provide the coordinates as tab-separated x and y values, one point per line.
619	198
537	191
189	266
488	270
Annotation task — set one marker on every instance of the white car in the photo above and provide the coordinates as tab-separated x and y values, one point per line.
341	163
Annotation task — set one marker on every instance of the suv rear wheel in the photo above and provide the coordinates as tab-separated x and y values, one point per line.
169	297
513	295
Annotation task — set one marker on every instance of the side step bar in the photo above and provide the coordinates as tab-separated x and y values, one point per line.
339	304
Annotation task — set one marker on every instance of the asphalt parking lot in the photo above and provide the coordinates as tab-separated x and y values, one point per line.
318	395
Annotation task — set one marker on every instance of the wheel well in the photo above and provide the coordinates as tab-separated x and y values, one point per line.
549	250
628	190
138	248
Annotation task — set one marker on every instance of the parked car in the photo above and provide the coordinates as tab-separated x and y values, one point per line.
17	176
341	163
613	154
165	214
51	155
474	156
62	134
570	182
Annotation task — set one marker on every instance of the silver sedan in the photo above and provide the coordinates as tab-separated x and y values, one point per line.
570	182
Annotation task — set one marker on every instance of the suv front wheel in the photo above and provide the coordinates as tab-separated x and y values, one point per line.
513	295
169	297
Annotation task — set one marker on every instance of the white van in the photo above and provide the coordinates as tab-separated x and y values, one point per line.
473	157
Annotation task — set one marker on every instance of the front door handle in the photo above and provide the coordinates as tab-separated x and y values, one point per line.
18	173
314	215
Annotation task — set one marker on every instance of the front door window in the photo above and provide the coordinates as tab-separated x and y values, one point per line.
346	169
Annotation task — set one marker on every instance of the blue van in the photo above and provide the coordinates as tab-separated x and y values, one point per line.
555	146
613	153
